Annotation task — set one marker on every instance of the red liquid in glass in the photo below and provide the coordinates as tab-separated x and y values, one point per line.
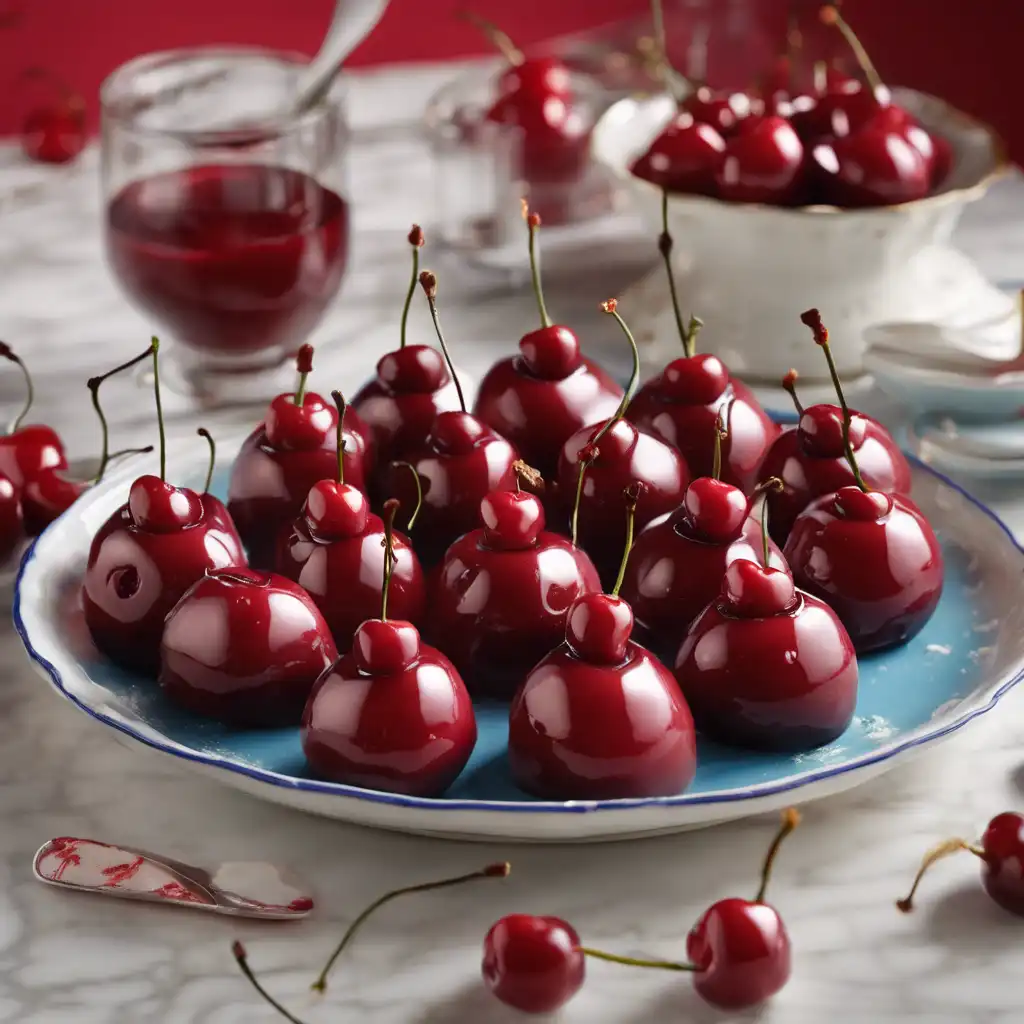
231	259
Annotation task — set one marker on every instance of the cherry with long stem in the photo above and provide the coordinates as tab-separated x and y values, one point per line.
532	225
93	384
339	401
428	282
687	334
829	15
30	392
419	492
203	432
498	870
812	319
611	307
416	240
304	366
155	349
937	853
789	386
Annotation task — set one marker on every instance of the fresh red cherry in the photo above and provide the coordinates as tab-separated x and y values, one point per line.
1001	851
725	112
12	530
244	647
874	558
820	431
696	379
335	510
763	163
767	666
379	721
48	496
533	964
539	398
872	167
714	509
411	387
513	520
685	157
299	422
54	134
600	718
160	507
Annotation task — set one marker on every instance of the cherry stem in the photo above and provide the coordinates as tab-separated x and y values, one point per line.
587	455
526	474
419	492
8	353
500	39
790	820
304	364
812	319
499	870
936	853
391	506
773	483
93	384
629	961
120	454
632	493
687	337
532	224
155	349
416	241
830	16
339	401
203	432
428	282
611	307
241	958
789	384
720	435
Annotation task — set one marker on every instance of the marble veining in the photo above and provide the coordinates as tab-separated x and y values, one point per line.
67	959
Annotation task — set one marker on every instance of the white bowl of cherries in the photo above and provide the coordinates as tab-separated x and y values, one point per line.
828	199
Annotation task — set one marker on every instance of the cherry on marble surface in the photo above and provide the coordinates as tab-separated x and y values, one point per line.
12	529
294	448
763	163
540	397
498	601
600	718
1001	852
599	461
412	385
393	714
244	647
685	157
874	558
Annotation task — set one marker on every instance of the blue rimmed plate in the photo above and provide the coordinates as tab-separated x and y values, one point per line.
967	657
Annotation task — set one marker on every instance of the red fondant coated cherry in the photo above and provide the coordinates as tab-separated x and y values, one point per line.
767	666
685	157
12	530
763	163
600	718
539	398
393	714
411	387
284	457
27	451
244	647
1001	851
533	964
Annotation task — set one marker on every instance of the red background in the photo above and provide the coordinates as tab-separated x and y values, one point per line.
966	53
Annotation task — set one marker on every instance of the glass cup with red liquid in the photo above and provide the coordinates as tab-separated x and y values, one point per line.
226	219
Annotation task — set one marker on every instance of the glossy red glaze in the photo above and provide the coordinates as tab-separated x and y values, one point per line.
806	477
1003	872
399	405
743	952
725	112
751	590
334	511
269	485
134	577
550	353
673	573
244	647
538	414
627	456
583	731
497	612
533	963
11	519
53	135
47	496
345	577
159	507
381	647
714	510
784	682
459	463
598	627
512	520
409	731
685	157
763	163
30	450
674	406
874	559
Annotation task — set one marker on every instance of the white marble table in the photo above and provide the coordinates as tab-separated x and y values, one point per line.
67	958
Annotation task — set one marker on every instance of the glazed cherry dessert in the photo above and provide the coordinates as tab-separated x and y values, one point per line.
766	666
682	404
499	599
810	459
411	387
147	554
1001	852
599	461
739	952
540	397
244	647
294	447
600	718
392	714
675	569
459	462
334	550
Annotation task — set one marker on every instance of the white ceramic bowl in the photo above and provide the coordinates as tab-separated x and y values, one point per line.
749	270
